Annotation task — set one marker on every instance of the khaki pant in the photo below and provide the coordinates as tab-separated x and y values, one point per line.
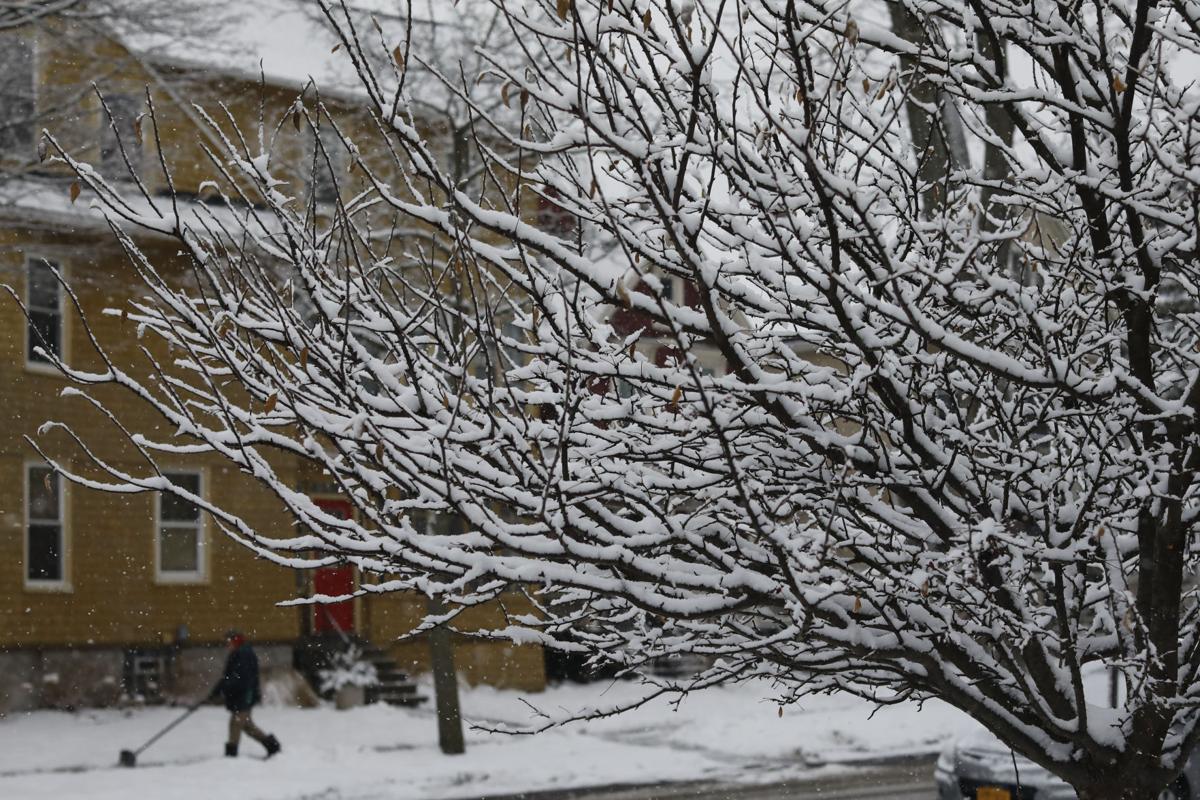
240	721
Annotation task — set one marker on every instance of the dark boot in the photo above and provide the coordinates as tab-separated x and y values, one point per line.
230	750
272	745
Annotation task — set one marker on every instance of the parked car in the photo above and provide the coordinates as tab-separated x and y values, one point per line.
980	767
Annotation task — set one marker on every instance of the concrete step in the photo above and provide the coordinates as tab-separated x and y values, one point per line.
395	686
395	696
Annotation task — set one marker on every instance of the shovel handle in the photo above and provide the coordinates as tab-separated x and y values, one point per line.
191	710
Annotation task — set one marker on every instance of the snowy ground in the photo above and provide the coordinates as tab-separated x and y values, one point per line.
383	753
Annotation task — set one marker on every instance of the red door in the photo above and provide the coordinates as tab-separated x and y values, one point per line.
334	581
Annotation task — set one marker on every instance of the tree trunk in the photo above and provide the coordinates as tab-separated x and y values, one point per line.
445	686
925	120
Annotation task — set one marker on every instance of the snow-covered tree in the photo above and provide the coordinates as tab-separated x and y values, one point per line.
884	379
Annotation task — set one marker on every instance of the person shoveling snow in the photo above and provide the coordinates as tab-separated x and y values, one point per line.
240	688
239	685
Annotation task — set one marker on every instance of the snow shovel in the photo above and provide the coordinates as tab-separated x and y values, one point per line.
129	757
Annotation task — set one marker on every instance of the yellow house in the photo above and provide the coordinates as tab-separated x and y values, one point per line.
105	597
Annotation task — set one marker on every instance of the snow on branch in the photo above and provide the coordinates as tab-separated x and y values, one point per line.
852	349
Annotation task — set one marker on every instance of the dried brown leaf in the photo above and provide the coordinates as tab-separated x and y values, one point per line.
623	295
852	32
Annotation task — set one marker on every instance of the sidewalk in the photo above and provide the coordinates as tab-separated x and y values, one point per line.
729	735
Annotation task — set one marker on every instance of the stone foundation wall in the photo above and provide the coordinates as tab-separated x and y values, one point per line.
196	669
94	677
20	684
81	678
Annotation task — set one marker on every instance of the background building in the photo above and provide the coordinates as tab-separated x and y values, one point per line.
108	597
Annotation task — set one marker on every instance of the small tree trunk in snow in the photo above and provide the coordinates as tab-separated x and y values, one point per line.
445	686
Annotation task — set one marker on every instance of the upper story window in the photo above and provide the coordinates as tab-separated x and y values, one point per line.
681	292
329	165
180	531
44	302
44	540
16	95
553	218
124	109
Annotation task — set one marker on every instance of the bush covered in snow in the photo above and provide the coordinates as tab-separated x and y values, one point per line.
347	668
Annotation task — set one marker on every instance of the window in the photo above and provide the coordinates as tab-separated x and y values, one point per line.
680	291
44	301
180	531
329	165
144	671
511	336
553	218
16	95
44	527
124	109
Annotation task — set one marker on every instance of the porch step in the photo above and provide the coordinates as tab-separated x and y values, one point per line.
395	687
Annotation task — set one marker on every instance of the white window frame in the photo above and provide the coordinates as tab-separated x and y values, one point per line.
63	583
201	573
63	337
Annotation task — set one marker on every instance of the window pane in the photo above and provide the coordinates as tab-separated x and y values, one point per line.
45	553
43	286
43	494
176	509
178	550
45	331
124	109
328	163
16	95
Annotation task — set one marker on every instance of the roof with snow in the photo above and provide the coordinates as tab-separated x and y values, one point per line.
290	42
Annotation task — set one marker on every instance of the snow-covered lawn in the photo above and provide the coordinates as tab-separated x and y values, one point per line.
378	752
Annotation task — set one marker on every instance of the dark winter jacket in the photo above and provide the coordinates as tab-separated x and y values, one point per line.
239	684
